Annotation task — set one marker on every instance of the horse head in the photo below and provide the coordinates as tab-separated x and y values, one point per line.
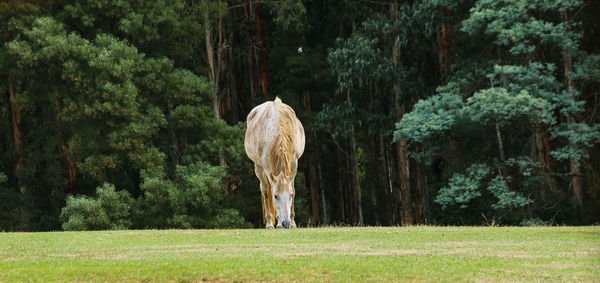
283	199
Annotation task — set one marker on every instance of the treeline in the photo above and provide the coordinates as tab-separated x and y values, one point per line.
131	114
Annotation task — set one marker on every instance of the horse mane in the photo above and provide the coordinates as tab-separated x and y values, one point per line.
280	156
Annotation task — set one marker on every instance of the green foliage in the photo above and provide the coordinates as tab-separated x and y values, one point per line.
430	118
113	91
506	199
580	136
498	105
463	189
109	210
506	103
540	81
357	61
9	207
587	68
289	14
511	25
194	200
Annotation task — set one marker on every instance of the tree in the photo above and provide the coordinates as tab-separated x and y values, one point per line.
525	96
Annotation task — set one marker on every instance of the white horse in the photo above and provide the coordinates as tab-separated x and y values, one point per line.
275	141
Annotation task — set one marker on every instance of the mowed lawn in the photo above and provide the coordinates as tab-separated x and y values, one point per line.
314	254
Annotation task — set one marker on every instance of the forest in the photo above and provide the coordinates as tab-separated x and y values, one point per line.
130	114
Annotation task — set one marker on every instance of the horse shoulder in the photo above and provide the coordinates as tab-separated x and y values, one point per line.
251	138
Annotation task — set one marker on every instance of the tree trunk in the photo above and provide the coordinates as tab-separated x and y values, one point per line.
403	168
232	81
379	180
325	220
403	164
340	189
420	183
404	179
69	168
70	171
264	74
355	188
500	144
504	170
444	40
250	27
214	69
349	204
17	127
311	172
385	155
576	176
543	158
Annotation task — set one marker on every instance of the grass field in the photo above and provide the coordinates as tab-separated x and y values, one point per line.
319	254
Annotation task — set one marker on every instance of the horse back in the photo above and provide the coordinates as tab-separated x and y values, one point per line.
274	136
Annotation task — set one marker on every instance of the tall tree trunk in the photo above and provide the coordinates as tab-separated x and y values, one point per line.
444	40
379	180
385	155
500	144
214	64
404	179
69	168
504	170
311	172
340	189
264	74
403	164
325	220
17	127
70	171
349	204
403	168
544	159
250	27
576	175
355	188
232	81
420	183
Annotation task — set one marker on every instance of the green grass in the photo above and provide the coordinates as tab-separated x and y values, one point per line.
320	254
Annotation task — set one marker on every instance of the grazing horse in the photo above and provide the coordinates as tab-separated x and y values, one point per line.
274	141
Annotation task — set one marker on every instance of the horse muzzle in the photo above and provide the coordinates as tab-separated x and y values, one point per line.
286	224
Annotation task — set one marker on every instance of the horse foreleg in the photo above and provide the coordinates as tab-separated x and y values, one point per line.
292	214
270	208
267	206
263	203
265	196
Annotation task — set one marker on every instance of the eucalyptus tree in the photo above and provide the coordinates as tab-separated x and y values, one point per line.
517	99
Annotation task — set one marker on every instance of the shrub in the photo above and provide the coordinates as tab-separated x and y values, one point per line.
110	210
194	199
